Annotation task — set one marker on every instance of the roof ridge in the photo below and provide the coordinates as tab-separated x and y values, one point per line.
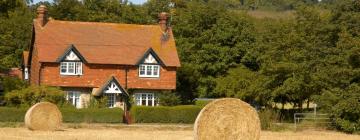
99	23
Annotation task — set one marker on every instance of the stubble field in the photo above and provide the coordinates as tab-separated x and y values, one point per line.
150	132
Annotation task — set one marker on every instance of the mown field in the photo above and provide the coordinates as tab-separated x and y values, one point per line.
151	132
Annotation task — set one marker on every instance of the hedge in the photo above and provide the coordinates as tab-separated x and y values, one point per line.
165	114
70	115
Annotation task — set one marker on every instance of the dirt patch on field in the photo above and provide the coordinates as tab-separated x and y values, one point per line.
151	132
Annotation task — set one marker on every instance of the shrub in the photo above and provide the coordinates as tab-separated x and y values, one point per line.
12	83
343	105
267	118
92	115
12	114
202	103
169	99
34	94
163	114
70	115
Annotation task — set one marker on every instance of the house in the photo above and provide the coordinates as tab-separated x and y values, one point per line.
93	59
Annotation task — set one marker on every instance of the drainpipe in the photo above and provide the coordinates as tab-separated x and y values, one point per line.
126	76
40	68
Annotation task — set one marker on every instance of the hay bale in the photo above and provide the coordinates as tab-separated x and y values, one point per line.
43	116
227	119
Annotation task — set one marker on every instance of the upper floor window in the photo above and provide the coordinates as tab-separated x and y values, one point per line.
71	62
149	70
149	67
71	68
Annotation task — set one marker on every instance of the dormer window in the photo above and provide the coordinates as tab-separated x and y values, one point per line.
71	62
149	65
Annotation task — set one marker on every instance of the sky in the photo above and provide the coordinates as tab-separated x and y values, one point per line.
133	1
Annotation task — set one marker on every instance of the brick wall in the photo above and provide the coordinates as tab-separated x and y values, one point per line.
95	75
34	68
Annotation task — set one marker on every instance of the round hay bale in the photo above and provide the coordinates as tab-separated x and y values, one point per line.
227	119
43	116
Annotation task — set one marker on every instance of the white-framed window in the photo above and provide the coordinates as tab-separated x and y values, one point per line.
74	98
111	99
149	70
146	99
26	73
71	68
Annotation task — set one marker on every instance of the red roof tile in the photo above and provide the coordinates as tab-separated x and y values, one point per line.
104	43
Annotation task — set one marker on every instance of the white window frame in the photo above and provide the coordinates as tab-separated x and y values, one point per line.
77	69
149	98
26	73
74	97
153	73
111	100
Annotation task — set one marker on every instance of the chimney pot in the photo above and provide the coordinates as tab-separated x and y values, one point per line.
42	16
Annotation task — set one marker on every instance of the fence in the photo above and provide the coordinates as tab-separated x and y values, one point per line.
311	120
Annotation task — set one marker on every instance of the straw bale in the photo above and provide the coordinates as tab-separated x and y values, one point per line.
43	116
227	119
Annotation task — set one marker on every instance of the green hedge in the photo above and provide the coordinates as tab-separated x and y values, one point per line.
70	115
164	114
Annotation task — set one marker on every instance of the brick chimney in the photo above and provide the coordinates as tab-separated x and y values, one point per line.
42	15
163	16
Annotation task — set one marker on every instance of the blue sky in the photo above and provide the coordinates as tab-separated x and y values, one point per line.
133	1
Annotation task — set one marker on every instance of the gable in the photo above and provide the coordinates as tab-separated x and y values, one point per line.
71	54
111	86
150	57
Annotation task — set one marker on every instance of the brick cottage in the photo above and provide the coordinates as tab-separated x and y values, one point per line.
93	59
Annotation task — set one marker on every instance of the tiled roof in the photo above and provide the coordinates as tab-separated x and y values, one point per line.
104	43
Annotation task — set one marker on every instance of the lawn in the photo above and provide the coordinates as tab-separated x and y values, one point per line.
151	132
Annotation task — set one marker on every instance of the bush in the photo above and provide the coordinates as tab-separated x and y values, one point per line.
202	103
12	114
267	118
92	115
33	94
343	105
163	114
169	99
12	83
70	115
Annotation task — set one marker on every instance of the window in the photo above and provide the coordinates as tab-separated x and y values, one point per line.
26	73
146	99
74	98
71	68
111	99
149	71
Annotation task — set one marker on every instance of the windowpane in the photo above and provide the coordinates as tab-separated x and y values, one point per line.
78	68
63	67
71	67
142	70
111	99
156	70
148	70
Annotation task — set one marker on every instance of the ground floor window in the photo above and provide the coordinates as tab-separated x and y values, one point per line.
111	99
74	98
146	99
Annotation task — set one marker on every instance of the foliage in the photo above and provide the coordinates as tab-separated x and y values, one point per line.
12	83
344	106
202	103
162	114
267	118
70	115
98	102
33	94
167	98
92	115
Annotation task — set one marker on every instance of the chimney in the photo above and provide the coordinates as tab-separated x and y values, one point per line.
42	17
163	16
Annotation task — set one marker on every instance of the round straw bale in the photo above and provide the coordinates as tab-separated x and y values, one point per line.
43	116
227	119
